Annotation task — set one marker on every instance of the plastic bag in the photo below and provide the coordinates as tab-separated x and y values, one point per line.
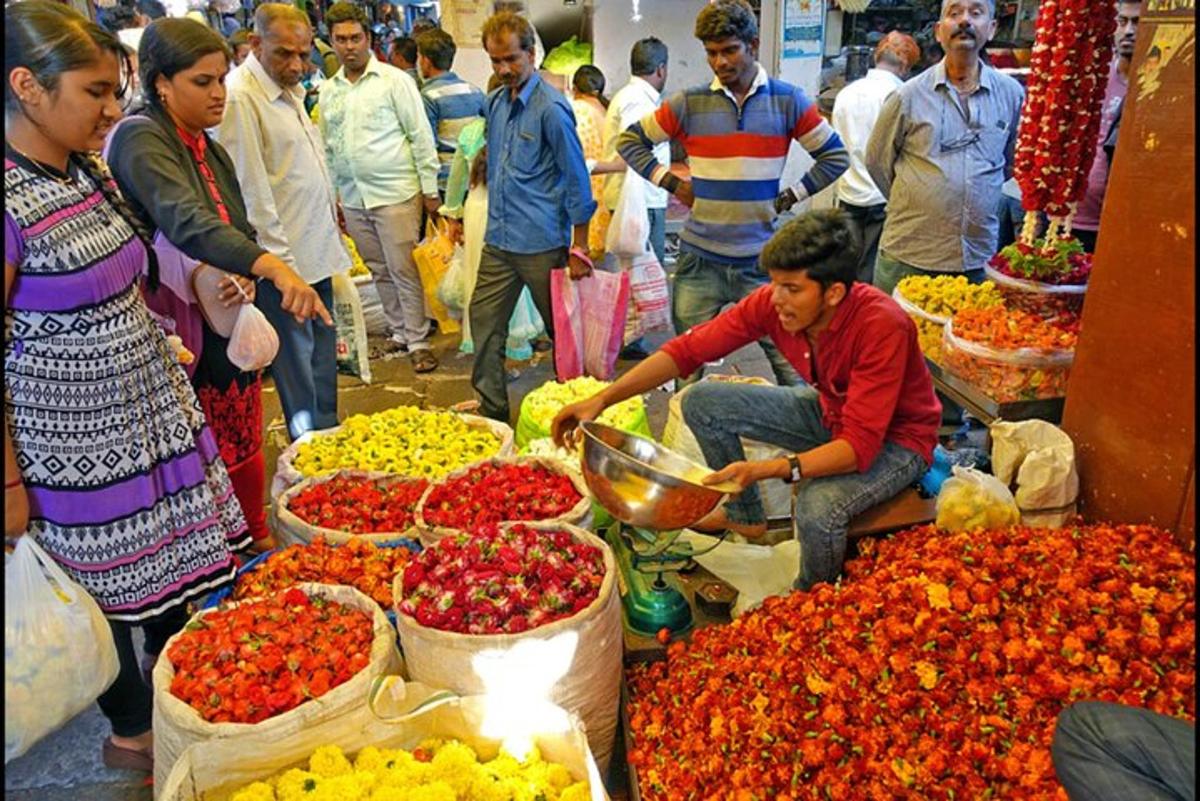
59	654
253	343
524	326
972	499
755	571
372	306
589	322
433	257
1037	297
650	300
1007	375
1041	458
629	229
452	292
353	350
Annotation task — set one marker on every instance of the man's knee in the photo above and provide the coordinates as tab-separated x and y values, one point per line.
702	403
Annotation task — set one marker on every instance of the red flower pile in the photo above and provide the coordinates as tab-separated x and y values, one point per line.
262	658
1061	262
1072	54
501	581
359	505
358	563
496	492
935	669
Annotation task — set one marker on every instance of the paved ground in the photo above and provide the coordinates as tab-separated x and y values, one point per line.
66	766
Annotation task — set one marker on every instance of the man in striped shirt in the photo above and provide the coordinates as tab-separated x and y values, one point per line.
736	132
450	102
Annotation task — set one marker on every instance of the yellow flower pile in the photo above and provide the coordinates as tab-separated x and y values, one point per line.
449	771
941	297
405	440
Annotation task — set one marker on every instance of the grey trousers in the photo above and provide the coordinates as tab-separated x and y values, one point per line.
385	237
498	287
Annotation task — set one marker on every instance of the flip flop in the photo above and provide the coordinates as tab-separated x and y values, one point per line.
423	360
119	758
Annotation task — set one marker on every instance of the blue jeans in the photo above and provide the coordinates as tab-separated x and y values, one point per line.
658	234
305	370
889	272
1108	751
790	417
702	288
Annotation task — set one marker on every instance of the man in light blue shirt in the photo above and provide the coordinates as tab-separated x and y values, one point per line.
385	166
539	202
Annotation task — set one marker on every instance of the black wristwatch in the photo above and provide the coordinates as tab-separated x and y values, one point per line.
794	464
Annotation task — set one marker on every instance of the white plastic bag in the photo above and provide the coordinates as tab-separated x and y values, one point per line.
649	298
755	571
253	343
1041	458
972	499
629	229
452	292
353	351
59	654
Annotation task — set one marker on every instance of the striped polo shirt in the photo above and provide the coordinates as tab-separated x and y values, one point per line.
450	103
736	155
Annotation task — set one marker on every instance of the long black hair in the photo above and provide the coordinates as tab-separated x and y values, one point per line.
589	81
171	45
49	39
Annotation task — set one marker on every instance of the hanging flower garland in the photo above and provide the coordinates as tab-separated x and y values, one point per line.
1069	66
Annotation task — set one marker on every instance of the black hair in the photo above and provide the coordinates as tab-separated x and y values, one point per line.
503	22
172	45
49	39
726	19
406	48
437	46
153	9
823	243
346	12
422	25
589	80
118	17
647	56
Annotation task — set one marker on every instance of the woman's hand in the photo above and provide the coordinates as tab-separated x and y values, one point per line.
16	511
229	294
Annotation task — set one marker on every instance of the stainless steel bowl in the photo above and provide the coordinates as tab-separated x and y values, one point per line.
642	483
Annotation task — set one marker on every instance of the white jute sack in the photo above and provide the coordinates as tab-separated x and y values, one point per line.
286	475
177	726
291	530
574	662
214	770
579	515
776	495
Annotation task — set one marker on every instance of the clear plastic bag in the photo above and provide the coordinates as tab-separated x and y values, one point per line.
972	499
59	654
253	343
929	326
629	229
1036	297
452	291
1005	376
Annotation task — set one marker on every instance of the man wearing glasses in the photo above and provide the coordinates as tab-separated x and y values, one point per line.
940	152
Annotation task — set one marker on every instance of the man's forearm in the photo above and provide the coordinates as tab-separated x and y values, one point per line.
656	370
834	458
579	236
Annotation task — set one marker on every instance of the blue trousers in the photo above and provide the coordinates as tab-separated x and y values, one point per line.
305	370
790	417
658	234
1106	752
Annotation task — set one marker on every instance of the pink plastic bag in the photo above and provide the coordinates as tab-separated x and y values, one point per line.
589	321
648	291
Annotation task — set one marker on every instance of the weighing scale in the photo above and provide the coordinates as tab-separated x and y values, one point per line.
653	494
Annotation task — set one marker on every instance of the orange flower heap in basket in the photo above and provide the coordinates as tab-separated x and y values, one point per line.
367	567
935	669
1009	354
1011	329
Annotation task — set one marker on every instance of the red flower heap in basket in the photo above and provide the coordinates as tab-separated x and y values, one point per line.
494	492
262	658
363	565
501	580
935	669
1047	277
359	505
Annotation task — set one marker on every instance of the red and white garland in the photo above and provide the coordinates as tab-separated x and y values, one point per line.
1069	67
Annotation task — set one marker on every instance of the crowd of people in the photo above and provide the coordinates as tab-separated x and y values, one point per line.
245	147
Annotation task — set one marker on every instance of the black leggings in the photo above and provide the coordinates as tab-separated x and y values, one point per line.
128	702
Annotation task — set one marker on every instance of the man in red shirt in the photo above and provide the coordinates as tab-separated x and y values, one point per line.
861	430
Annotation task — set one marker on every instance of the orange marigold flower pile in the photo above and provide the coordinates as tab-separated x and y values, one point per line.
934	669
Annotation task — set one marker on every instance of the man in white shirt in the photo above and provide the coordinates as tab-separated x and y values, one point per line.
385	168
280	163
855	110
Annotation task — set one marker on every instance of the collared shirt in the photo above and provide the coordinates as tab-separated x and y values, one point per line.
873	381
1087	216
736	153
940	161
280	163
854	113
450	104
635	100
377	138
538	184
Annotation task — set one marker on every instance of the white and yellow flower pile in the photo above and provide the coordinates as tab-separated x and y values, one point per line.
544	403
448	770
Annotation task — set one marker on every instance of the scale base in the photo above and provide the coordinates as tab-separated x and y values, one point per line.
651	601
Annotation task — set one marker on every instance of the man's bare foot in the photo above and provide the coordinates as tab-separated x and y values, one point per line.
142	742
717	521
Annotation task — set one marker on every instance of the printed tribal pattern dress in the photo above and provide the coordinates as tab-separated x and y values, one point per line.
126	487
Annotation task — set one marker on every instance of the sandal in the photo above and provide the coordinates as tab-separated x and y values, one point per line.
423	360
118	758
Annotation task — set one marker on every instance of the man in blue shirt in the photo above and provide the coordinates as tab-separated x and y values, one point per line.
539	202
450	102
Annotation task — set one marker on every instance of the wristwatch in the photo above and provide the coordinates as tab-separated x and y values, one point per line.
794	464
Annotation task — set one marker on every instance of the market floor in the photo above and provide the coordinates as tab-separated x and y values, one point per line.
66	766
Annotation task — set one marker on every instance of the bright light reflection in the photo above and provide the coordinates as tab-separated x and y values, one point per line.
637	14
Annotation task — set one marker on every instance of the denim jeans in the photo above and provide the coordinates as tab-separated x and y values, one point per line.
305	369
702	288
1108	751
790	417
889	272
658	234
